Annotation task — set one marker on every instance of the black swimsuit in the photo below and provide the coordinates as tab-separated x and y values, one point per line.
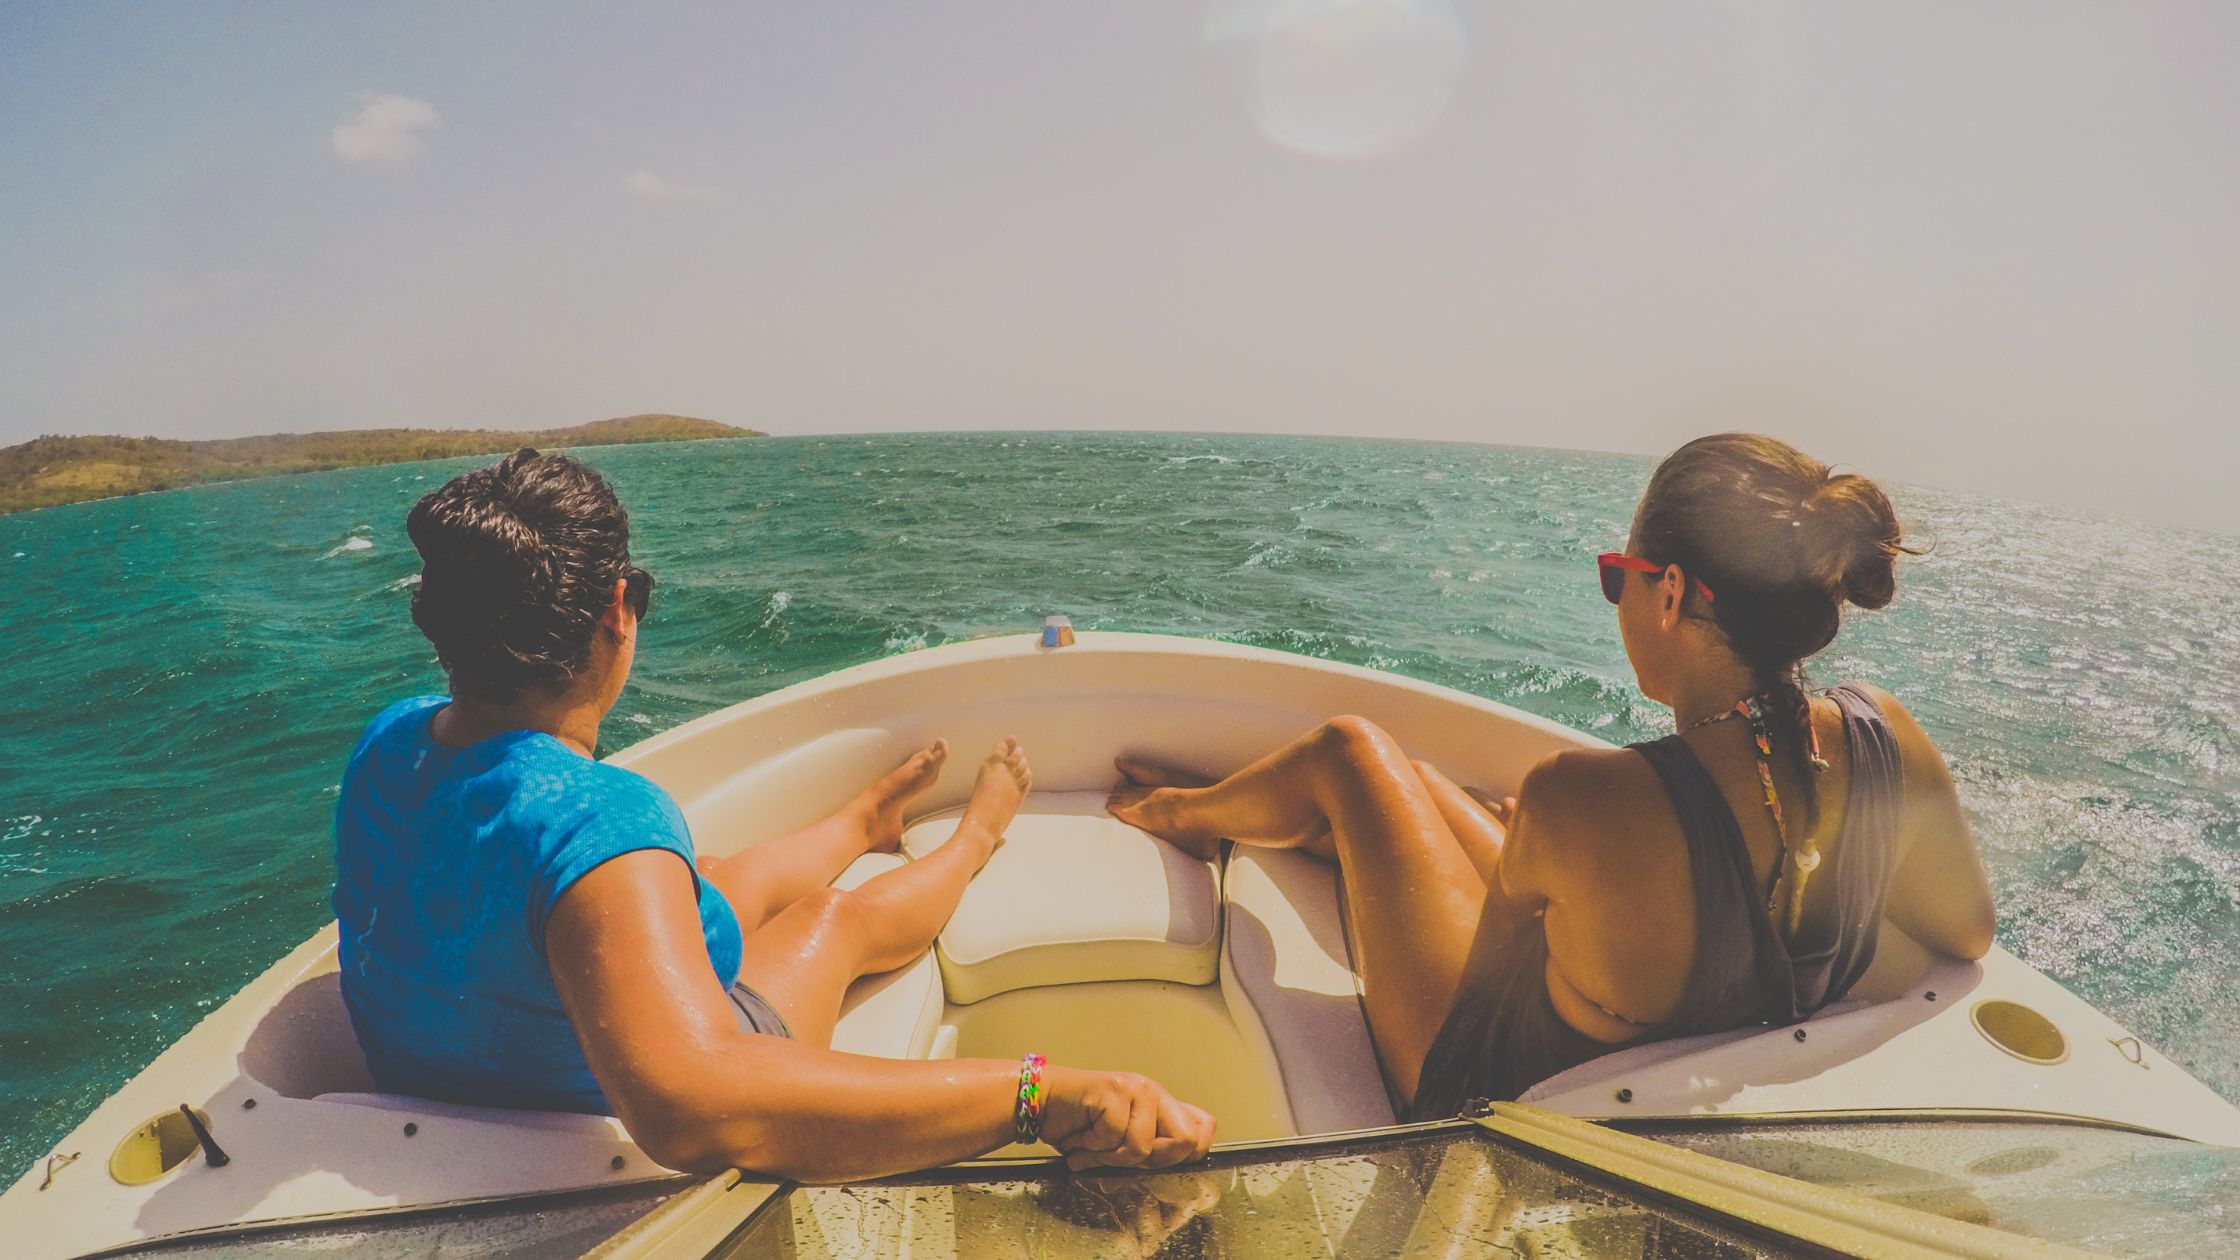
1504	1036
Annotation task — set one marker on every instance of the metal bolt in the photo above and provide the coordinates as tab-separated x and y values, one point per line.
1931	995
1478	1108
1800	1034
410	1129
248	1104
1625	1095
615	1163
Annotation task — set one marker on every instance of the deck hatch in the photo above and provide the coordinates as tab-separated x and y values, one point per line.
161	1143
2020	1031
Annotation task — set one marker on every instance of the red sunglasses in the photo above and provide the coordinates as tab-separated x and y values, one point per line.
1615	564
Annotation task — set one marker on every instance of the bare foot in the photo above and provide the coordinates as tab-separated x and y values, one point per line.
1136	770
1003	783
882	803
1151	798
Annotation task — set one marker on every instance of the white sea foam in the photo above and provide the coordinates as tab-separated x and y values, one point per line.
407	581
352	543
779	602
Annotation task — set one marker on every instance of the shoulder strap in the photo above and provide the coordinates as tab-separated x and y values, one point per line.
1741	966
1830	964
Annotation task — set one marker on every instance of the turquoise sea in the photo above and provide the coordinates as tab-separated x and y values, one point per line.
183	674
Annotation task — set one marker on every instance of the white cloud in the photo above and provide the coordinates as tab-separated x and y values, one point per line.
651	187
385	129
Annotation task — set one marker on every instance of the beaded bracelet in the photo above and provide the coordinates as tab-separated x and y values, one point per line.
1026	1116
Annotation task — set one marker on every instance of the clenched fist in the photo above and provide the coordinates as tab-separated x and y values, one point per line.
1120	1120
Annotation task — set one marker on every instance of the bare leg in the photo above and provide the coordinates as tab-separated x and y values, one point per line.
1480	821
763	879
1142	773
1478	826
805	958
1413	893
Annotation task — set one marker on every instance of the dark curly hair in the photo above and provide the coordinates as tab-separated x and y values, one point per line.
518	562
1783	541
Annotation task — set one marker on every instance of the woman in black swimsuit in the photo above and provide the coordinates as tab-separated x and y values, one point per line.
1743	870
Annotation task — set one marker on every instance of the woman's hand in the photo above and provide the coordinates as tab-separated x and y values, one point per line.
1502	809
1120	1120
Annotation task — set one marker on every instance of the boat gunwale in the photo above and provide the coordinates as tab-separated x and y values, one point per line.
527	1200
1101	642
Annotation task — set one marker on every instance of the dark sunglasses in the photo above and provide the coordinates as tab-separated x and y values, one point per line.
1614	565
637	590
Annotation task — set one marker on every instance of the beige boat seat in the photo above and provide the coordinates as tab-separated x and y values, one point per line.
1075	896
1286	969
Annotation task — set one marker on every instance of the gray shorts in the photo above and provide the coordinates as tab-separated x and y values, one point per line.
755	1014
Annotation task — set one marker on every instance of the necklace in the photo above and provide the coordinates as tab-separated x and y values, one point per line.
1785	900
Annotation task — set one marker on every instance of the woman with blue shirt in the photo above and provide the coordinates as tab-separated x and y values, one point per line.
524	926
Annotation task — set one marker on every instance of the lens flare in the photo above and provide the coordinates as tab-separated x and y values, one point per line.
1344	79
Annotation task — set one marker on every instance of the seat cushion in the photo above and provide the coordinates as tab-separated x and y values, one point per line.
1286	967
1075	895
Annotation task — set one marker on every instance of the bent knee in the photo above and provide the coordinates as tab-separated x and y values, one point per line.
833	910
1350	735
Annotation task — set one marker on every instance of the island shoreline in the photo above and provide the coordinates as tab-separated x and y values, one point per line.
56	471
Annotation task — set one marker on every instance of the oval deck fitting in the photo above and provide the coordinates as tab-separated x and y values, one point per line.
2020	1031
160	1144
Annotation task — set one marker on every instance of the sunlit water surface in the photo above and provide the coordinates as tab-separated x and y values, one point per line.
185	672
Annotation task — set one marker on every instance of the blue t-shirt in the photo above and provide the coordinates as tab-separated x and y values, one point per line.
448	861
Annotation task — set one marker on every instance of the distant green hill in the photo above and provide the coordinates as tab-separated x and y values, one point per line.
51	470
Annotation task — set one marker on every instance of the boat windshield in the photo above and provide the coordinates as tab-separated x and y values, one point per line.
2099	1189
1452	1191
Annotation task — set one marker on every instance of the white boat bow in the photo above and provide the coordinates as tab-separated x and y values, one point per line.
1230	982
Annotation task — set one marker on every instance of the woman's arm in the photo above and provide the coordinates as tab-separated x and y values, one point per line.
696	1093
1940	895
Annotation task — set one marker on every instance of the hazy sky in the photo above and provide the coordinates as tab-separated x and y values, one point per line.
1991	245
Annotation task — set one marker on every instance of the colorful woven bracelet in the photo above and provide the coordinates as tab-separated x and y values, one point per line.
1026	1116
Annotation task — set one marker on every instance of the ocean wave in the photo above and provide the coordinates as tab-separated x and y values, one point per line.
904	641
